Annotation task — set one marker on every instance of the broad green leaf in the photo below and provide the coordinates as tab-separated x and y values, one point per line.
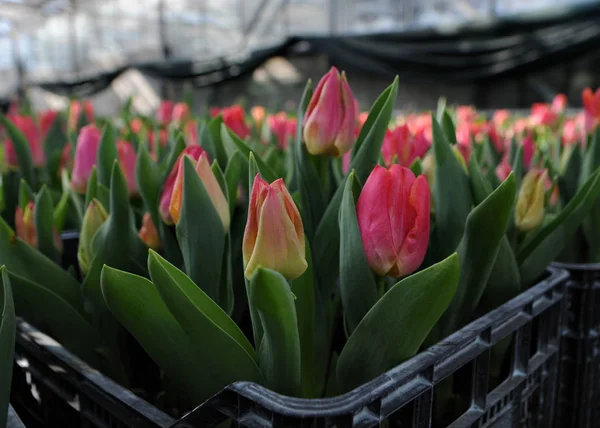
92	188
569	179
148	179
477	251
22	150
233	175
45	309
220	176
304	290
229	357
265	170
174	153
26	195
365	155
451	195
107	154
43	215
214	129
549	241
448	127
7	342
357	285
382	341
307	178
279	355
54	143
201	235
75	199
134	301
23	260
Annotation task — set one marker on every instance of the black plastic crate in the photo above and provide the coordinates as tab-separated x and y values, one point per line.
13	420
579	397
404	396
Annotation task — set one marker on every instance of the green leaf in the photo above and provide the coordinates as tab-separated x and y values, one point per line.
7	343
451	195
303	289
568	181
265	170
22	150
134	301
201	235
279	355
26	195
148	179
75	199
229	357
477	251
380	341
551	238
591	223
20	258
214	140
43	215
233	175
417	167
49	312
448	127
92	188
174	153
107	154
357	286
61	211
365	155
54	143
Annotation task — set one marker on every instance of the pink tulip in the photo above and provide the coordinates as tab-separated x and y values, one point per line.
136	125
500	118
190	131
75	113
165	112
127	159
148	233
503	169
591	105
399	144
572	132
331	115
346	162
194	153
393	218
26	125
542	114
46	120
274	234
181	112
528	151
466	114
559	103
283	128
86	153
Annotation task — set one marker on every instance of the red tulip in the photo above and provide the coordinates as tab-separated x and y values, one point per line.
399	144
136	125
393	217
283	127
26	125
194	153
591	104
165	112
528	151
331	115
127	159
148	233
75	112
86	153
542	114
234	118
274	234
258	114
163	137
46	121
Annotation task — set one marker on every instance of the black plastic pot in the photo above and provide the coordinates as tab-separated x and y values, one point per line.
579	397
406	396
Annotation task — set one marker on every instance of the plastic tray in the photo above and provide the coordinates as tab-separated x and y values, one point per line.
404	396
13	419
579	397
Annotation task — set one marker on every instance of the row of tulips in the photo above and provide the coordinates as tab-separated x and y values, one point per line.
307	253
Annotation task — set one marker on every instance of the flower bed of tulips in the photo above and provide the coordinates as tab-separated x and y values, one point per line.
307	253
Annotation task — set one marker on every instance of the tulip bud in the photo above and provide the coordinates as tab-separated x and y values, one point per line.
75	113
283	128
393	218
459	151
127	160
400	144
258	114
165	112
274	234
181	112
25	227
46	120
148	233
94	217
212	187
27	126
591	105
529	211
330	118
194	153
86	153
503	169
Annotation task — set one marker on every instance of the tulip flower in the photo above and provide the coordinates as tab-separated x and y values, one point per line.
234	118
190	131
148	233
163	138
362	118
399	144
66	161
331	115
181	113
591	105
393	218
25	227
529	211
542	114
283	127
211	185
27	126
164	113
274	234
258	114
194	153
504	168
75	112
46	120
572	133
86	153
528	151
500	118
136	125
466	114
127	159
559	103
94	217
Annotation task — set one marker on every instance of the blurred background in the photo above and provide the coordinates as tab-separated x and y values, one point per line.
490	53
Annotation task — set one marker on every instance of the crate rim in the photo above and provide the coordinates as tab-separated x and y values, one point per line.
577	266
